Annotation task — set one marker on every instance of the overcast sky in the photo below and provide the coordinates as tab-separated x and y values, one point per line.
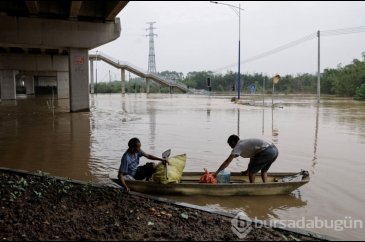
196	36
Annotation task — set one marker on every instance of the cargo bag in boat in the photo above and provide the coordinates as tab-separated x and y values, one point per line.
174	170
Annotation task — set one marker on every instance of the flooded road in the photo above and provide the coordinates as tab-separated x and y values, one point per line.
328	140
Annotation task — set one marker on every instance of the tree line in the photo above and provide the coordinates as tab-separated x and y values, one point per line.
346	81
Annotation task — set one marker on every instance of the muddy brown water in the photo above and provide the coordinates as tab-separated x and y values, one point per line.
328	140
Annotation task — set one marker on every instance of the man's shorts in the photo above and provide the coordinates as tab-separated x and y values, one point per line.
263	160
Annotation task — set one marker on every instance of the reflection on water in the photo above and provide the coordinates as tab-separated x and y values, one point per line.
238	121
314	160
260	207
152	123
263	121
32	139
274	129
328	138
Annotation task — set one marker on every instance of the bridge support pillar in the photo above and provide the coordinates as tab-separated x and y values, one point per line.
63	85
79	80
122	78
147	85
8	85
171	89
29	85
92	88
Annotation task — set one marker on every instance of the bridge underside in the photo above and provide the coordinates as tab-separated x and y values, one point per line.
48	42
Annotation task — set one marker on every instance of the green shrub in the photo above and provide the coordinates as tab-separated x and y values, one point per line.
360	93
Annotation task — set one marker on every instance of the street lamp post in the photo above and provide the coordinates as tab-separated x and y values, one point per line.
237	10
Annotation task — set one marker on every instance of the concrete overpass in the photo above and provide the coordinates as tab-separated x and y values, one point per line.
123	66
54	37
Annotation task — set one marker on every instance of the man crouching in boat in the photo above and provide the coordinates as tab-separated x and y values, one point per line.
129	169
261	153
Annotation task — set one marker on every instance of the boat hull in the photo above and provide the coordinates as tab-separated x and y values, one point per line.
239	186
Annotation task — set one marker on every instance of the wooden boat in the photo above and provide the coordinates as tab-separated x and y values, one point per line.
239	185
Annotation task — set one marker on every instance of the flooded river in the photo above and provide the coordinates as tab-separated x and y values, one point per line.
328	140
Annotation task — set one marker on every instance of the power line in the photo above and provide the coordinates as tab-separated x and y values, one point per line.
273	51
333	32
281	48
352	30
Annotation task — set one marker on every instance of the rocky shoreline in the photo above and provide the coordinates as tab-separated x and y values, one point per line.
46	208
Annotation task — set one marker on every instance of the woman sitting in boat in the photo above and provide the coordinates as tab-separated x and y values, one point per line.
261	153
129	169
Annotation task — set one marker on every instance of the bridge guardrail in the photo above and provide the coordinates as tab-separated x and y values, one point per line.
129	65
